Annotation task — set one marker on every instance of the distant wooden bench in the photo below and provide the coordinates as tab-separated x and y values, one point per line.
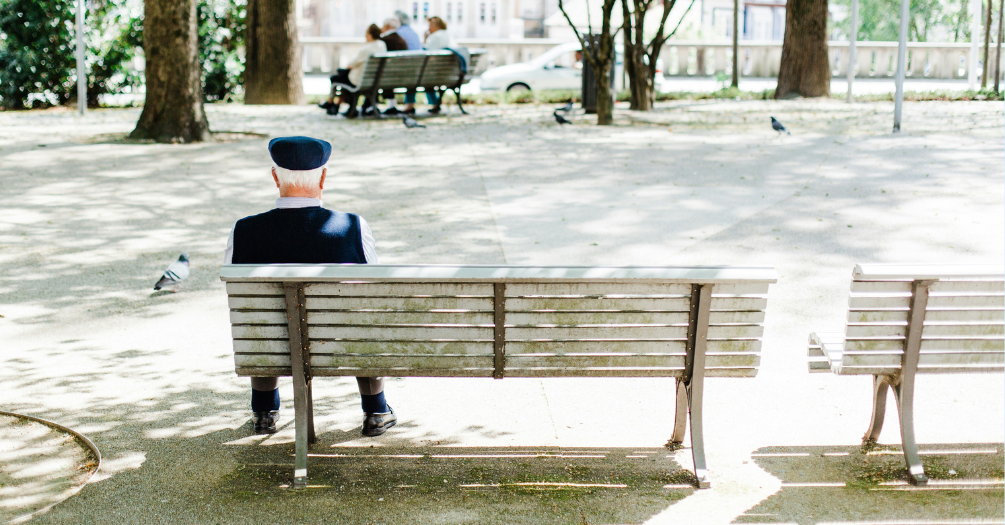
910	319
411	70
497	321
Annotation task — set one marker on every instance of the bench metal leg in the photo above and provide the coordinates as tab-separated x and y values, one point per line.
905	405
460	106
296	321
880	386
697	437
680	414
312	438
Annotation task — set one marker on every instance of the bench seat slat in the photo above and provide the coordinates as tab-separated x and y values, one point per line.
400	347
936	287
400	333
581	318
625	372
610	332
873	316
408	304
632	347
384	318
928	369
681	304
487	372
893	359
855	331
990	344
863	302
254	289
257	303
398	289
257	317
523	289
568	361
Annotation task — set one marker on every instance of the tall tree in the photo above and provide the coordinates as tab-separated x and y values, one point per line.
273	73
172	111
640	55
805	69
600	54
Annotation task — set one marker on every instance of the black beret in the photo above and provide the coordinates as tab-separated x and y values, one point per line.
299	153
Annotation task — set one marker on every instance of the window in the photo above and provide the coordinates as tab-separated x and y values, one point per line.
425	10
415	11
460	11
481	12
450	11
493	13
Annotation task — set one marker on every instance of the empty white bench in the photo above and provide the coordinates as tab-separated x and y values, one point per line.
308	321
910	319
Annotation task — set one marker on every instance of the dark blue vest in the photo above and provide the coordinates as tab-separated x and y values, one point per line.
298	235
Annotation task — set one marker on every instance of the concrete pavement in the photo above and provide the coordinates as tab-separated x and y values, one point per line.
89	221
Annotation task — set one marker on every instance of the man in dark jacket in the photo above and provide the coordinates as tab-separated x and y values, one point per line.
394	42
299	230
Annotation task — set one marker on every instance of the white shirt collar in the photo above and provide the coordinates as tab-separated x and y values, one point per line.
296	202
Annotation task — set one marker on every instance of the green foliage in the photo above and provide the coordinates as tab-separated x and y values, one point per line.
38	49
931	20
36	52
221	33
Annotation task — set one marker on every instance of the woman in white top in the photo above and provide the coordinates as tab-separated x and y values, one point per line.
354	74
436	38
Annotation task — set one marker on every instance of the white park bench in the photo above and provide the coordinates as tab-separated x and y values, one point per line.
910	319
413	70
309	321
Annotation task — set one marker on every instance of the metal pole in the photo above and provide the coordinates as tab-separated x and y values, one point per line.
81	63
736	44
1001	33
898	104
975	33
852	53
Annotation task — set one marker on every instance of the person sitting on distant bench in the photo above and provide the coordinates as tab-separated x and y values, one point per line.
394	42
352	76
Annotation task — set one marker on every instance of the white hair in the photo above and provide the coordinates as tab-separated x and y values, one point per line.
403	17
393	23
302	178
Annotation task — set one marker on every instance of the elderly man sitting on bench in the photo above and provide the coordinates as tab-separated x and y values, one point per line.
300	230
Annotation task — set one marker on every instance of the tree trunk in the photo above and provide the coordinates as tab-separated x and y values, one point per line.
172	111
598	50
273	73
998	47
639	83
805	69
987	42
736	45
605	95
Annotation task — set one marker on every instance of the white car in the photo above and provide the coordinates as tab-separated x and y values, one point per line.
557	68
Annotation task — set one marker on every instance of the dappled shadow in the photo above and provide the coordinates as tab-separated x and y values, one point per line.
870	484
39	466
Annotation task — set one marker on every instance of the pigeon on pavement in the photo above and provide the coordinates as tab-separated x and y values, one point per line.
560	119
411	122
567	107
778	126
175	273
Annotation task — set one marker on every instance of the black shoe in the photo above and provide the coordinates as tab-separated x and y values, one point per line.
435	110
265	422
352	113
369	111
332	109
391	112
326	105
375	424
408	111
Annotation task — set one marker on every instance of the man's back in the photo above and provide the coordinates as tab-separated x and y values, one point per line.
312	235
394	42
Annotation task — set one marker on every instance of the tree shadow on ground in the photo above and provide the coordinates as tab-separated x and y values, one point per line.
870	484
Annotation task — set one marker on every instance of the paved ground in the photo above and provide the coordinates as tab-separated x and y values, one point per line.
89	221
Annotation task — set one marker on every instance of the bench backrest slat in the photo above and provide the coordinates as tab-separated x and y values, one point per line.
554	326
963	328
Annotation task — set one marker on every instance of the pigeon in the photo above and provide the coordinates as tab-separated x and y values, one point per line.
560	119
567	107
411	122
175	273
778	126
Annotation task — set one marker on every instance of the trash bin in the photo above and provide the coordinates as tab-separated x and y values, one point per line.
589	78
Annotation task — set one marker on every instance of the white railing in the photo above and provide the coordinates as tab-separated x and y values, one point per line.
683	58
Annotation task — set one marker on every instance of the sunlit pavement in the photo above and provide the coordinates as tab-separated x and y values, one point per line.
88	222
